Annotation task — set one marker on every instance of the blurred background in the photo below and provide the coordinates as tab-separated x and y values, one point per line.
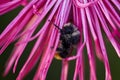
54	72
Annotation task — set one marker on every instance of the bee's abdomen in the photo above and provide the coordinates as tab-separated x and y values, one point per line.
62	52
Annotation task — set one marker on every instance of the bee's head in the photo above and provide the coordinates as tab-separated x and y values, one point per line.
68	28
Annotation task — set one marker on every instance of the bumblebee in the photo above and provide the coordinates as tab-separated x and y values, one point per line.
69	38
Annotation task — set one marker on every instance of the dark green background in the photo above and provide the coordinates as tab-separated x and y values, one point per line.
55	69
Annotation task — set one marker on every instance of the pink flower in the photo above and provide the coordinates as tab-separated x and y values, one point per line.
89	16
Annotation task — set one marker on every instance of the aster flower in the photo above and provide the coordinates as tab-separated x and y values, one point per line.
91	17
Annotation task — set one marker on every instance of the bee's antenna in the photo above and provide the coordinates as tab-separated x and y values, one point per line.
55	25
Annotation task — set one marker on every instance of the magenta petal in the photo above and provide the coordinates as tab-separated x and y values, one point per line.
9	5
64	70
